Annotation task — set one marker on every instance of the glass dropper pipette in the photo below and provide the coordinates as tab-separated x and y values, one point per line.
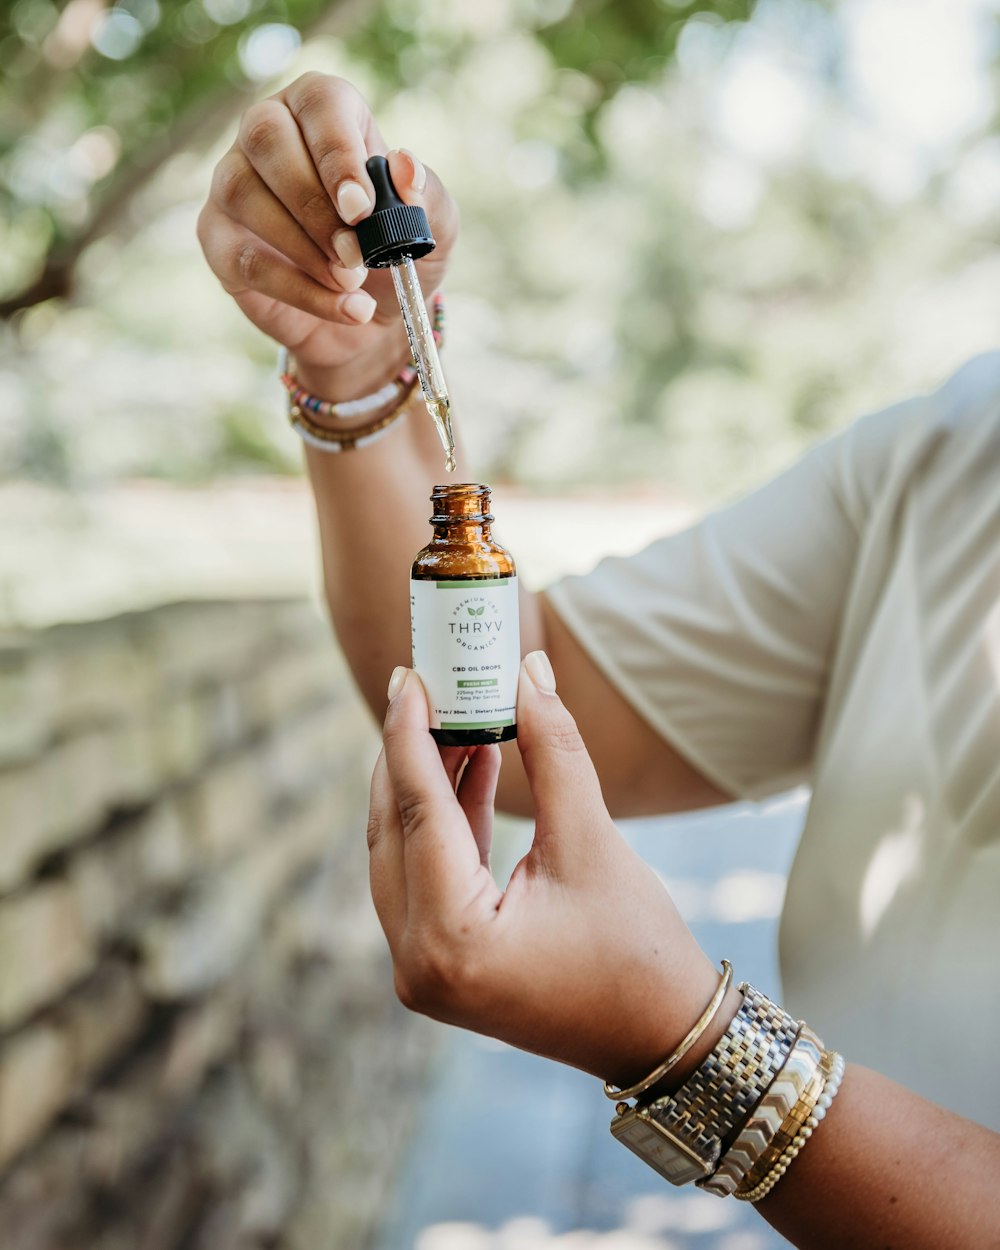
393	237
425	353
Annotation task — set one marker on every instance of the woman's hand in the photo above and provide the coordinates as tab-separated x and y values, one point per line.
277	227
583	957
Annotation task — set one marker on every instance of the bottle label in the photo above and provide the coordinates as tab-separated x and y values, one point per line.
467	650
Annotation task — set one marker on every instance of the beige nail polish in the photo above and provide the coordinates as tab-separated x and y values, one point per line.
539	669
345	244
353	201
359	306
419	180
349	279
396	681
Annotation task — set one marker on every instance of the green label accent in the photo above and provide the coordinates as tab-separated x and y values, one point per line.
482	681
476	724
473	583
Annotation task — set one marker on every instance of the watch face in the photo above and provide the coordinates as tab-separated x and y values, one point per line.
672	1158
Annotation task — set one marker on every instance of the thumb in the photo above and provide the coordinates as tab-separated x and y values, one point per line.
418	184
563	780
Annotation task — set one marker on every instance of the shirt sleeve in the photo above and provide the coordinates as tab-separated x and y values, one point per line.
721	637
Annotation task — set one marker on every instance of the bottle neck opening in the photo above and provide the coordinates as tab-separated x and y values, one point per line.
463	504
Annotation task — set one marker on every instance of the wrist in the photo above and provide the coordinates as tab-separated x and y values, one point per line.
700	1051
361	374
694	1006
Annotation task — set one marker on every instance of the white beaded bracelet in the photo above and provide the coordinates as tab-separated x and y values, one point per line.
323	444
344	409
782	1164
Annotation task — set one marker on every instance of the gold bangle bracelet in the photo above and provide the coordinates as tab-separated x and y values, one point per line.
673	1059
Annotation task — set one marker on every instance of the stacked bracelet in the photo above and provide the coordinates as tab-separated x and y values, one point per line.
757	1137
683	1135
738	1122
324	439
833	1072
347	409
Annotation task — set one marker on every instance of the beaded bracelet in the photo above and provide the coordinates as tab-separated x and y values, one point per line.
795	1116
324	439
760	1141
833	1065
346	409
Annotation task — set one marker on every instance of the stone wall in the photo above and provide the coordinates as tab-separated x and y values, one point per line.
200	1047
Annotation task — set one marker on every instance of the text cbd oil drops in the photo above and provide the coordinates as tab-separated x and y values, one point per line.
464	621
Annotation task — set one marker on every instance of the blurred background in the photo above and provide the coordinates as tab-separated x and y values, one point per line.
696	235
696	238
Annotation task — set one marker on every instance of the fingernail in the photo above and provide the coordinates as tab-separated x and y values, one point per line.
396	681
349	279
359	306
419	179
353	201
345	244
538	668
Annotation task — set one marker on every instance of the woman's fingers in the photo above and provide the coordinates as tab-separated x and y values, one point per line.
340	135
385	856
270	140
243	261
284	324
564	784
278	226
453	760
408	174
440	857
418	184
245	198
477	790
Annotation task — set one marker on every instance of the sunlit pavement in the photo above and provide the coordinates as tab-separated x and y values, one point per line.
513	1152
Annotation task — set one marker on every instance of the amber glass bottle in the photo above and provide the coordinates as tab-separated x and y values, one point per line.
464	621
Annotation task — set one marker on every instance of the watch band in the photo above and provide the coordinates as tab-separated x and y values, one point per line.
682	1134
763	1133
807	1115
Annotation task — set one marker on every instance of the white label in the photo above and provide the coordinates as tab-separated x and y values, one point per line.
467	650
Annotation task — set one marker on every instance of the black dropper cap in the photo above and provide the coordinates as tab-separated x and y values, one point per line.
394	230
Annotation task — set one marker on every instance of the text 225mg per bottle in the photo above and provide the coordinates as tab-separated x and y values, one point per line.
464	621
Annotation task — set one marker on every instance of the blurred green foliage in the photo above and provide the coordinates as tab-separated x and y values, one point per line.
96	97
93	99
691	243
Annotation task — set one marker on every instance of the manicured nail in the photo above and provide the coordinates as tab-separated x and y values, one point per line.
419	179
353	201
345	244
396	681
349	279
359	306
538	668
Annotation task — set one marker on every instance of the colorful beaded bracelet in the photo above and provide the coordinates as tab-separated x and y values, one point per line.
325	439
346	409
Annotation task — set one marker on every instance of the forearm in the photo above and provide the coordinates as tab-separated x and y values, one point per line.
886	1168
373	507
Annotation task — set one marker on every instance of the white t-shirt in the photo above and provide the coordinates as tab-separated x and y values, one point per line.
841	627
